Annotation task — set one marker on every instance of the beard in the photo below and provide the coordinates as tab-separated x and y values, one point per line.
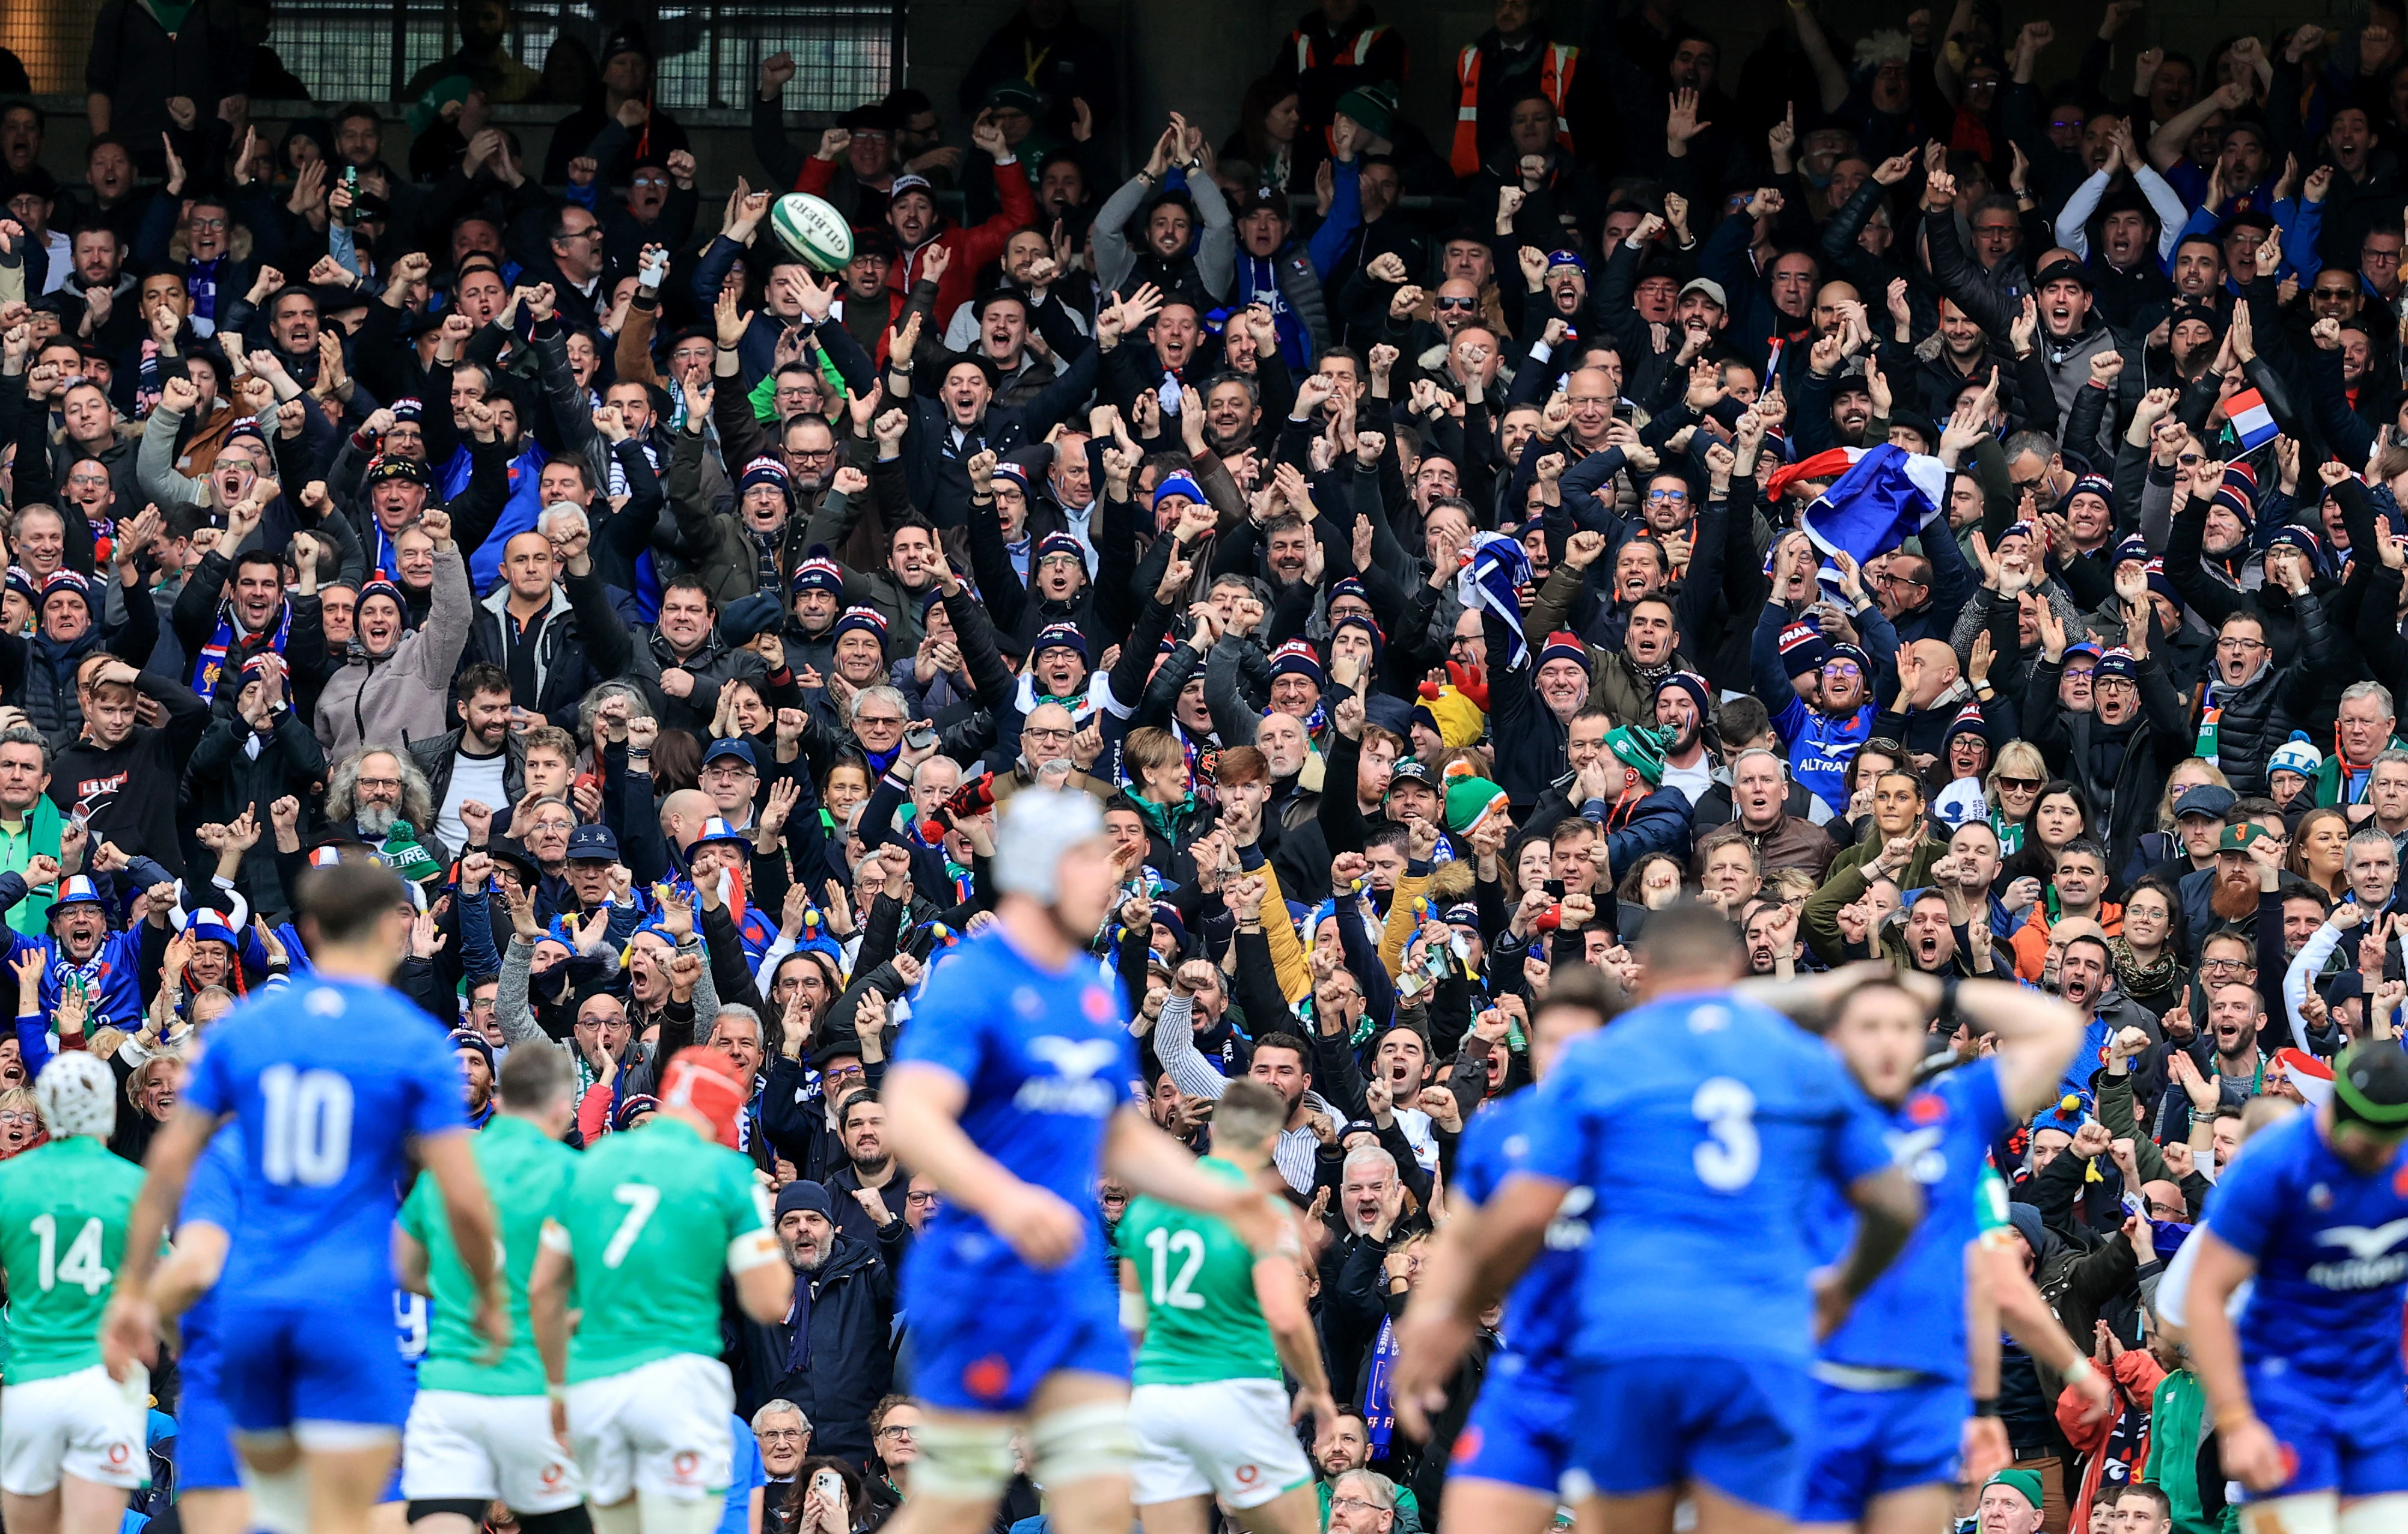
2233	899
374	819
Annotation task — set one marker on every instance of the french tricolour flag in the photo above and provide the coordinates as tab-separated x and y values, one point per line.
1879	496
2251	421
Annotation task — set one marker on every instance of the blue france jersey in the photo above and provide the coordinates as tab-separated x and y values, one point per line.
112	976
1820	747
1541	1315
1914	1316
213	1196
331	1080
2327	1240
1048	1060
1708	1127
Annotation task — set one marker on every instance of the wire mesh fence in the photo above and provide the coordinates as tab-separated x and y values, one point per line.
705	56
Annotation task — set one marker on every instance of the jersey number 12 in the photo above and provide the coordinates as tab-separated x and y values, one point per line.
1170	1289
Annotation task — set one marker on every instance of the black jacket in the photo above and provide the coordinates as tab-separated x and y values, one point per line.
552	676
849	1358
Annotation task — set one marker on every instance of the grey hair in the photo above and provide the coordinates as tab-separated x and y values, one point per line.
25	735
2389	756
343	786
603	691
2375	690
1378	1489
735	1009
1366	1155
2374	836
563	511
931	762
1770	754
780	1407
883	694
2039	444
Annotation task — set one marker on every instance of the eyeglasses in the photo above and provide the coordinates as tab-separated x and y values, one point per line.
1841	668
924	1197
890	721
2223	964
1667	495
2239	645
784	1435
845	1073
380	782
1356	1504
208	223
20	1116
813	453
1032	733
903	1432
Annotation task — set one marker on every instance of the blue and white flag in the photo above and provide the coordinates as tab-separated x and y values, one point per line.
1886	496
1492	576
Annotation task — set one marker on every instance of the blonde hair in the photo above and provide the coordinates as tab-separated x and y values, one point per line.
2017	758
2166	800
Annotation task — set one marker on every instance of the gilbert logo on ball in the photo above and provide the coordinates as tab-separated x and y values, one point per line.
811	230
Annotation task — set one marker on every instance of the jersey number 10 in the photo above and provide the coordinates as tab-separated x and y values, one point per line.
308	1137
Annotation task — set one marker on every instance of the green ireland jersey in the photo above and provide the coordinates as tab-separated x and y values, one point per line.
524	1171
64	1210
1202	1320
651	1219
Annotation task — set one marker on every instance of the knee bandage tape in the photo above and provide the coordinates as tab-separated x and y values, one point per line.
2384	1514
623	1519
1082	1442
963	1462
280	1499
2310	1512
664	1514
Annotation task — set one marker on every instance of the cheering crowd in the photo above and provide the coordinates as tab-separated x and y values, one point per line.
1422	587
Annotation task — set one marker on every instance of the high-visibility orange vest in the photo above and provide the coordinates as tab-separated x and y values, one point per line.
1555	67
1357	52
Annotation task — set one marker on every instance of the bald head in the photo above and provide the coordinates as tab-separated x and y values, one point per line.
682	814
1940	670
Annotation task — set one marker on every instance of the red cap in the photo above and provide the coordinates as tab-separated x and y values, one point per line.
706	1082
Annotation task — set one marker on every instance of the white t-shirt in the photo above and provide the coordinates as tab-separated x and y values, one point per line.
478	778
1693	781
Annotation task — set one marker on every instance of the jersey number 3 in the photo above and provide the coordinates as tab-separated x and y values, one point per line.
1727	1159
82	1268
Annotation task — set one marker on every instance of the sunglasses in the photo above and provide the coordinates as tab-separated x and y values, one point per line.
2021	785
1455	303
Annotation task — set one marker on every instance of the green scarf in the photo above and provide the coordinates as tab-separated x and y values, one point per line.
1159	818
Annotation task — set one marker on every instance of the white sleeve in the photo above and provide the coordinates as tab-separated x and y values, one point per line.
1174	1045
2172	213
2076	213
2311	962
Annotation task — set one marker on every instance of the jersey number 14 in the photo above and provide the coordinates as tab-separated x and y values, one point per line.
82	1268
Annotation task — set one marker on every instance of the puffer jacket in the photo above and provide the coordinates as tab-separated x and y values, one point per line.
405	695
44	680
2261	713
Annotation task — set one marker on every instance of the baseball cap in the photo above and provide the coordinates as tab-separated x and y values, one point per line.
593	843
2236	838
1707	285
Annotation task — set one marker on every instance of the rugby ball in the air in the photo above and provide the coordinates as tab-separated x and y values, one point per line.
812	230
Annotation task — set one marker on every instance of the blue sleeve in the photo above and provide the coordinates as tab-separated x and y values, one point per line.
210	1084
478	958
711	270
1982	1099
432	1077
1557	1131
2249	1198
1772	687
1859	1135
1345	216
2300	236
948	1029
210	1198
34	1042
